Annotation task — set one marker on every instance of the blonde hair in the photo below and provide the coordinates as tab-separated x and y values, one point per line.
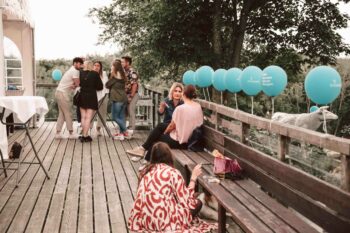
88	65
172	89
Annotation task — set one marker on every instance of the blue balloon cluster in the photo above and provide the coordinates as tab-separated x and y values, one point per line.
56	75
323	84
313	108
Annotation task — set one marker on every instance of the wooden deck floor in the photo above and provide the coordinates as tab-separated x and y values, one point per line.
91	186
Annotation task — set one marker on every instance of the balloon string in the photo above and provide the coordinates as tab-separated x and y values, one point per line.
324	122
205	97
273	105
236	100
222	98
208	94
252	104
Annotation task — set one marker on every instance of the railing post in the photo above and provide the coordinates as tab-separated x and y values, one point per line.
245	133
156	116
152	108
345	160
222	219
283	147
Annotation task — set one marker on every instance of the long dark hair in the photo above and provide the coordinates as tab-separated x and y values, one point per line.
119	69
160	153
101	67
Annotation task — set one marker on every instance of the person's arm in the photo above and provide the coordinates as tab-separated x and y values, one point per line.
197	171
162	107
184	195
170	127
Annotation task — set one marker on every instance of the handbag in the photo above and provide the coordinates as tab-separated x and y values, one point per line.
225	167
76	98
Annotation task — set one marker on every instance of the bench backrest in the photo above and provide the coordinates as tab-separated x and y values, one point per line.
322	203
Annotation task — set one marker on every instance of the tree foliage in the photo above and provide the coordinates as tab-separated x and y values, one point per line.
167	37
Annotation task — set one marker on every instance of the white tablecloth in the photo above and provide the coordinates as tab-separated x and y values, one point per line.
24	107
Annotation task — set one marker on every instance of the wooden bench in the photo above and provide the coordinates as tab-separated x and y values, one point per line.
296	194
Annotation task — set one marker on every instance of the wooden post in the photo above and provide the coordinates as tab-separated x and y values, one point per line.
156	115
283	147
345	160
245	133
222	219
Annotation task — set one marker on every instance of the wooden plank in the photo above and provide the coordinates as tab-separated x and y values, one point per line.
331	142
309	208
116	216
214	135
38	216
282	212
316	189
26	208
100	202
71	206
85	220
15	199
345	160
53	219
125	192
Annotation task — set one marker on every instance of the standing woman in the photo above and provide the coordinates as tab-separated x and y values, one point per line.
90	82
116	84
100	94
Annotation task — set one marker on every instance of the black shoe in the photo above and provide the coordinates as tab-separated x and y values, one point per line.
87	139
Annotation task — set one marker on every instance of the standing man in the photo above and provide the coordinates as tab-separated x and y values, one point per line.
67	85
132	87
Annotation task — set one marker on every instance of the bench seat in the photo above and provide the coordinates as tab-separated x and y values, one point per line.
251	208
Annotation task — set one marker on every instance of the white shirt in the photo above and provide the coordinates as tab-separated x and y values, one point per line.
67	80
105	90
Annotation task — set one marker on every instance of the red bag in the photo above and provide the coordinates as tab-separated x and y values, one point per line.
226	166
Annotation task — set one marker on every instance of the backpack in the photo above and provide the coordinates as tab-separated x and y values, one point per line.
15	151
195	142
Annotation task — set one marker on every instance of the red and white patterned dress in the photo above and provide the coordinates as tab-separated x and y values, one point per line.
163	204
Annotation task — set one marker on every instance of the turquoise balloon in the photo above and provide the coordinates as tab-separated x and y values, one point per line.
204	76
274	80
189	78
251	80
313	108
56	75
219	79
323	84
232	80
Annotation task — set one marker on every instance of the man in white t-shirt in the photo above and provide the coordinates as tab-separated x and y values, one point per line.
68	83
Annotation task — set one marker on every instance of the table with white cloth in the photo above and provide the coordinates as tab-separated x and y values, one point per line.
24	108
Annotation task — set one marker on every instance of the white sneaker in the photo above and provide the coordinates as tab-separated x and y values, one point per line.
137	151
119	136
142	167
135	159
59	136
73	136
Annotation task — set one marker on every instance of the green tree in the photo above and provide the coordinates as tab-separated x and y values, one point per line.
167	37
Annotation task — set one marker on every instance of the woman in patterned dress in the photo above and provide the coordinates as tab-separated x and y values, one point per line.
164	203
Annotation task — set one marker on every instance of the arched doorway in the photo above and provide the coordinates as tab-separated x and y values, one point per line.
13	66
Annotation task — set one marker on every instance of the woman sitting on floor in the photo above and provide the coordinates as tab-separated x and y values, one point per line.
185	119
163	202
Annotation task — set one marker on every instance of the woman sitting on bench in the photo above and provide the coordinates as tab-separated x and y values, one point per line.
163	203
185	119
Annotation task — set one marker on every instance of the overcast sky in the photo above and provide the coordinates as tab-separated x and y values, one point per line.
63	30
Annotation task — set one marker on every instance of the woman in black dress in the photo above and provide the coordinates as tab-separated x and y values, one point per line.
90	82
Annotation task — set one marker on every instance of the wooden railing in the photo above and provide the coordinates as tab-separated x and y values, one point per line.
239	123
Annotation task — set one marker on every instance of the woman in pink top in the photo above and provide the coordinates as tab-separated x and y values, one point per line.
186	118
